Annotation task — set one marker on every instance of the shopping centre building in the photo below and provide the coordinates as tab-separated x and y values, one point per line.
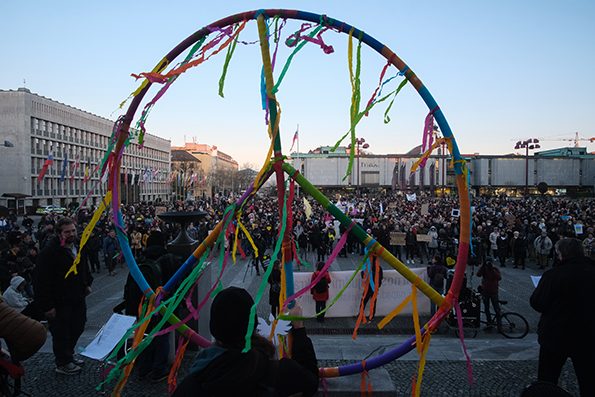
561	172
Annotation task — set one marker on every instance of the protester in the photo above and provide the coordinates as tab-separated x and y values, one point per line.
110	249
437	275
62	298
371	271
275	289
560	297
543	246
489	289
320	291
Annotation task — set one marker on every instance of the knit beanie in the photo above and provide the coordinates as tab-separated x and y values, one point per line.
156	238
230	314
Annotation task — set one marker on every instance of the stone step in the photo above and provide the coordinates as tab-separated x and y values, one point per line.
351	386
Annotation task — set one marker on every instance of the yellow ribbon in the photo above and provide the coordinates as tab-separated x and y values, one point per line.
249	239
422	362
88	229
428	152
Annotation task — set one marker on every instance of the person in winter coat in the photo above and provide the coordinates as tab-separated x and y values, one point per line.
437	275
489	289
494	241
224	370
110	249
14	296
136	242
320	291
275	290
543	246
25	334
61	298
92	247
152	362
433	244
503	244
518	245
560	297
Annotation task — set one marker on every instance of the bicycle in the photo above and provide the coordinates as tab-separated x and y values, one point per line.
510	324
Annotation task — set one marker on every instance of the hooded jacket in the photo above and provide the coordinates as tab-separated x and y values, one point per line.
13	296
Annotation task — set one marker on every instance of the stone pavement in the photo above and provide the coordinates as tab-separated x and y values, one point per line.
501	367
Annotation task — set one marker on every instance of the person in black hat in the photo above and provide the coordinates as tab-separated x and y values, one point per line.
224	370
152	362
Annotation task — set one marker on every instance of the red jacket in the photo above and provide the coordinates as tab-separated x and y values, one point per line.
320	296
490	280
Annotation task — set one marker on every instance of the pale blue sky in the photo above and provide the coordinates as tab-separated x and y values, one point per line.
499	70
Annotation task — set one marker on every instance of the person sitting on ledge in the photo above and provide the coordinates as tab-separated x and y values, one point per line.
223	370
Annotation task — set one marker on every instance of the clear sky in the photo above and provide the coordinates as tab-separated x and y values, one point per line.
500	71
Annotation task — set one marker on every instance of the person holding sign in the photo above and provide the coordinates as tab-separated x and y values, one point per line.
320	291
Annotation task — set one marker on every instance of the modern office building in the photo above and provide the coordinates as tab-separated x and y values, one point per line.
37	127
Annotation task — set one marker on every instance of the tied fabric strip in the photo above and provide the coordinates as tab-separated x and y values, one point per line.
355	273
173	374
460	323
416	386
328	263
366	383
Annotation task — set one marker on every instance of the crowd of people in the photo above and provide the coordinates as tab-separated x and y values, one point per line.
513	232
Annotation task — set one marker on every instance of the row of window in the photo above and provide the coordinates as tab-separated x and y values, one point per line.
86	140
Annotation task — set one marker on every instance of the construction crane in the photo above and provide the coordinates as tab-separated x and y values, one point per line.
576	139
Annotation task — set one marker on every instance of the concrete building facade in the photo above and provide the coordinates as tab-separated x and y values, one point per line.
565	171
38	126
217	166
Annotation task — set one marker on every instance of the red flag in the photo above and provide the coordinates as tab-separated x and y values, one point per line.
74	167
49	161
126	177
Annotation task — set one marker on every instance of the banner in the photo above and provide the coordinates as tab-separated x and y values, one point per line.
411	197
395	288
397	238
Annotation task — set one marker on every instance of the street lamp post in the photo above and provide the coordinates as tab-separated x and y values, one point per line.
359	142
529	144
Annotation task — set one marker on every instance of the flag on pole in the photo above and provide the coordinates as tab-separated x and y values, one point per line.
295	137
87	170
64	167
125	176
74	167
132	180
49	161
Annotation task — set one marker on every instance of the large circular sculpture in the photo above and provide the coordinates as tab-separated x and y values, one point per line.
228	28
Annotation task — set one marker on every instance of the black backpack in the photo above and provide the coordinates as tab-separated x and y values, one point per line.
151	270
321	286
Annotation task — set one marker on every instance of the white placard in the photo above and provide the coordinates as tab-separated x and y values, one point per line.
106	340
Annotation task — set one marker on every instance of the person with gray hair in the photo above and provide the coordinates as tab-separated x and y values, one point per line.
560	297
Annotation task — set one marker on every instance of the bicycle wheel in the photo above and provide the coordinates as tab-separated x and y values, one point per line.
513	326
469	331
